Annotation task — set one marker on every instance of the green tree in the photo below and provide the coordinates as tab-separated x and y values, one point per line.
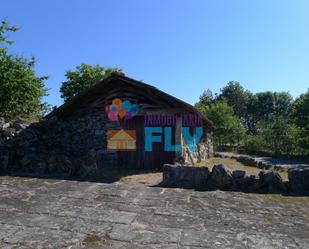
21	91
279	136
4	29
83	77
207	97
237	97
301	118
264	106
283	104
228	129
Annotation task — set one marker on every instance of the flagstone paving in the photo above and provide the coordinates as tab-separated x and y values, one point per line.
44	213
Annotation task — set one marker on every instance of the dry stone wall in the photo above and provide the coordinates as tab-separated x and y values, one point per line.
200	178
71	147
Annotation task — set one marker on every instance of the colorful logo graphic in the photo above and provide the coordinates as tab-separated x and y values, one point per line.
121	140
121	110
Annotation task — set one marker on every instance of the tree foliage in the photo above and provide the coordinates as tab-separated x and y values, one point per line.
207	97
266	121
83	77
301	118
237	97
21	91
4	29
279	136
227	127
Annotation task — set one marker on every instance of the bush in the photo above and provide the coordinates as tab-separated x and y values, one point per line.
254	143
275	136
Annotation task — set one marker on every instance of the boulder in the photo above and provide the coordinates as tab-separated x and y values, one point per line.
220	178
250	184
238	174
182	176
4	126
299	181
9	133
20	124
271	182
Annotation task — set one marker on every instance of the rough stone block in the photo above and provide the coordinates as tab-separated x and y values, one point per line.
185	176
299	181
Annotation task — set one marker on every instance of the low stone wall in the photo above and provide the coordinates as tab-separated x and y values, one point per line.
299	181
185	176
222	178
263	162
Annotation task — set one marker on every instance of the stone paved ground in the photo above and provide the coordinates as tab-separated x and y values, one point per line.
38	213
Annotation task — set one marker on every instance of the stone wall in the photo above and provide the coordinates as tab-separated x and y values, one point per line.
263	162
71	147
75	146
222	178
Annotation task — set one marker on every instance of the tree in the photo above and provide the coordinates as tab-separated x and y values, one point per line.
21	91
301	118
83	77
237	97
207	97
5	28
283	104
279	136
265	105
228	129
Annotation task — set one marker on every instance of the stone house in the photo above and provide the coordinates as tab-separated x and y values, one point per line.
117	122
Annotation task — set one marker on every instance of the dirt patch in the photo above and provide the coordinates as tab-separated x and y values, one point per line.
146	178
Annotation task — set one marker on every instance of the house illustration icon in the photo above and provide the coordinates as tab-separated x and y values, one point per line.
121	140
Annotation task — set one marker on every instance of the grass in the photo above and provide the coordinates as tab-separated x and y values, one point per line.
146	178
91	239
233	164
149	177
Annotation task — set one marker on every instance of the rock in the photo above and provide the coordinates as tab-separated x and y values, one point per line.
251	183
2	120
87	165
272	182
247	160
20	124
299	181
1	141
60	164
8	133
185	176
220	178
238	174
4	162
25	161
4	126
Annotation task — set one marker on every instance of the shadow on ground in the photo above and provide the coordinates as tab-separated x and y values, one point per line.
106	175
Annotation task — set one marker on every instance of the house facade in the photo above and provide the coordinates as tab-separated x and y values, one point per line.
117	122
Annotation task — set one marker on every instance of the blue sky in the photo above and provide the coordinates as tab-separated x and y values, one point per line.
181	47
